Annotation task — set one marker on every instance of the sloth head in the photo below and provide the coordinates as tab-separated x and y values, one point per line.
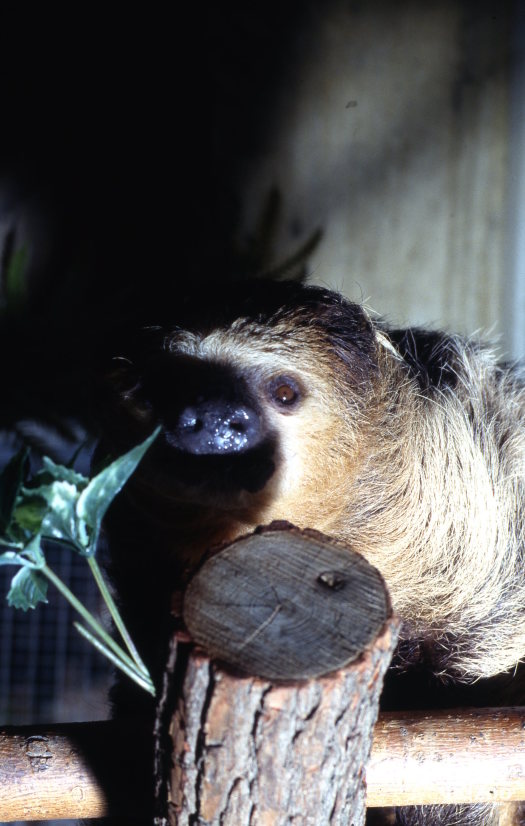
260	393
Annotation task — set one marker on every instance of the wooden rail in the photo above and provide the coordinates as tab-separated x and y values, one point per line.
89	770
79	770
473	755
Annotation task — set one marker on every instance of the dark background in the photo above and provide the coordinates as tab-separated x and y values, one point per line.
131	131
123	142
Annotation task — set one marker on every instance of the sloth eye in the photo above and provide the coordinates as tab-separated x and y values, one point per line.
284	391
285	394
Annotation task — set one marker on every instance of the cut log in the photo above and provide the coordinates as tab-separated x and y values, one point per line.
255	742
286	604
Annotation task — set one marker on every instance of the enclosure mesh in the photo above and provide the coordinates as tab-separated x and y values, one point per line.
48	673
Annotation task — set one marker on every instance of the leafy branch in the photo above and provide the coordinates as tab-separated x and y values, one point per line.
61	505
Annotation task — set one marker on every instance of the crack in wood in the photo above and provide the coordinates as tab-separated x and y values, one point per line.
260	628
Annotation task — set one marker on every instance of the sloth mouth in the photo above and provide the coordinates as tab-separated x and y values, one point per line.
216	473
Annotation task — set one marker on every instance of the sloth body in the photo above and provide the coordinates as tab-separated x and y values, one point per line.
280	401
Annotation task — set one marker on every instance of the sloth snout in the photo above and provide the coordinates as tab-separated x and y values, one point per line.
216	427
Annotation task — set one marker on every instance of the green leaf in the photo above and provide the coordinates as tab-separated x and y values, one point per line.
28	588
30	513
33	552
11	480
100	492
29	555
62	473
12	558
59	519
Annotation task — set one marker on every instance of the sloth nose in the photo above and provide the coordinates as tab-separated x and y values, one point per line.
216	427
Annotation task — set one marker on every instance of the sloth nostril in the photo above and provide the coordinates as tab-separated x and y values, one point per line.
239	424
189	421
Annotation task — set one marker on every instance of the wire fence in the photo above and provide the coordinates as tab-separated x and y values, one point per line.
48	673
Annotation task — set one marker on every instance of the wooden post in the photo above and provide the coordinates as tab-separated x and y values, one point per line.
277	723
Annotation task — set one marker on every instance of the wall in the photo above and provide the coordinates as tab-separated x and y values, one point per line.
390	130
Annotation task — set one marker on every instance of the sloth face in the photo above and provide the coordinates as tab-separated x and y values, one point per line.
256	410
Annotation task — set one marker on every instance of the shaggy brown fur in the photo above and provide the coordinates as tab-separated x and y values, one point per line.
406	444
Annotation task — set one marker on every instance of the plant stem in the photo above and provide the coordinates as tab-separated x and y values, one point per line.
132	673
117	619
90	620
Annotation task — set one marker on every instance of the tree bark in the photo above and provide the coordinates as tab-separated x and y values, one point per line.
270	746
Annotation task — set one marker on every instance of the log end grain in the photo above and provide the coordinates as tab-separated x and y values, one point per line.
286	604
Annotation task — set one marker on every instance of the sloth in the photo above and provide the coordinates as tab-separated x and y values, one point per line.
280	401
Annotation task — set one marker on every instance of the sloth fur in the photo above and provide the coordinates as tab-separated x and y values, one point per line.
409	445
